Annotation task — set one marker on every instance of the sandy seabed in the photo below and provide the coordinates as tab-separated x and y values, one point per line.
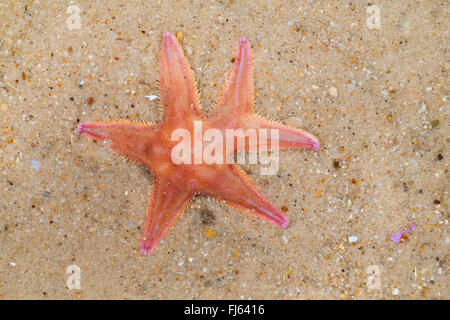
374	91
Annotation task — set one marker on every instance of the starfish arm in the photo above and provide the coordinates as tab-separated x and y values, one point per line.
177	85
230	185
234	108
288	137
237	93
166	204
123	137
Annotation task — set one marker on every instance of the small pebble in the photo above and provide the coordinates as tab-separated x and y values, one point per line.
352	239
434	123
333	92
36	164
423	108
152	97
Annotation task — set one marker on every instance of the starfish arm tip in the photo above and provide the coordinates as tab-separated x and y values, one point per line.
147	246
279	219
87	129
144	250
316	145
168	35
80	128
243	40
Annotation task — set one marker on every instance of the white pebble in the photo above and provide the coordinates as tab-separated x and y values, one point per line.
36	164
423	108
333	92
352	239
152	97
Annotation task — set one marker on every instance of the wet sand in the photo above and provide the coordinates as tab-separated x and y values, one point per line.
375	94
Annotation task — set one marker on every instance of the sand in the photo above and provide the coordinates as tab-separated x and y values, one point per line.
375	92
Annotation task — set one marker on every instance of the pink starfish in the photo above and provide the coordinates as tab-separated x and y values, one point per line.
151	144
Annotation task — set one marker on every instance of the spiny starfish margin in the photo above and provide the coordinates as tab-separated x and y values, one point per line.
150	144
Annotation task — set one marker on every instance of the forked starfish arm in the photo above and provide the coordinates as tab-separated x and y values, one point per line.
230	185
166	204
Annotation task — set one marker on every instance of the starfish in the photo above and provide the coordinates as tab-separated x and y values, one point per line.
151	144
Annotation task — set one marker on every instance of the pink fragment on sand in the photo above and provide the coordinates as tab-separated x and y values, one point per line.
397	237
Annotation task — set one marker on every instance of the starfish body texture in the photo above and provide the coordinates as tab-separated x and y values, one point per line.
152	144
